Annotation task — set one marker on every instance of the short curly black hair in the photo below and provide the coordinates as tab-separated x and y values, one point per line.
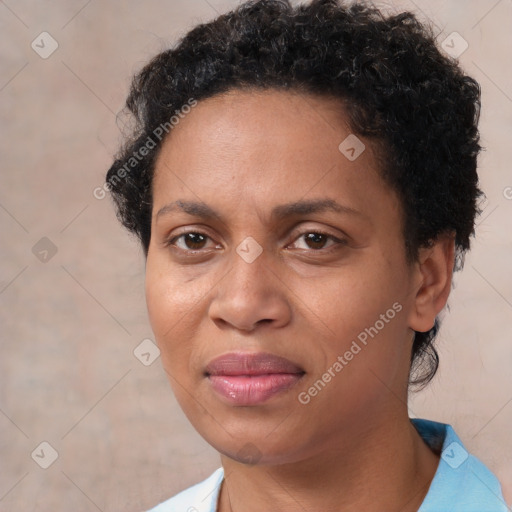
399	90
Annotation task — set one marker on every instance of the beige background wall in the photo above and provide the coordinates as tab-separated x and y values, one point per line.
69	325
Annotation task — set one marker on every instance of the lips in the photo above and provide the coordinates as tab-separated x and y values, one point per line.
251	378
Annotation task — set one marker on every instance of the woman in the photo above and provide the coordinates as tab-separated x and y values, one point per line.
303	183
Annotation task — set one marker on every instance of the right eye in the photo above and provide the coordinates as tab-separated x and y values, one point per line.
193	241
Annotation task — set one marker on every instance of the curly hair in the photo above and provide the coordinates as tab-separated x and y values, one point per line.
399	90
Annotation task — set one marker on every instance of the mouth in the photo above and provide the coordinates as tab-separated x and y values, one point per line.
251	378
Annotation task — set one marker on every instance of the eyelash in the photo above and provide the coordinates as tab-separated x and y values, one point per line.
339	242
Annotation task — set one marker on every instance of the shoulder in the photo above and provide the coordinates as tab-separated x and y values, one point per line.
462	482
201	497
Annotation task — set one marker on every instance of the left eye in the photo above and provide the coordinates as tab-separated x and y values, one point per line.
317	238
195	240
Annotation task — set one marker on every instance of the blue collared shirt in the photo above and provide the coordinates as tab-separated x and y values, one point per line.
462	483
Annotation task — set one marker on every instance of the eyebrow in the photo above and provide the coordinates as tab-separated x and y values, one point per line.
280	212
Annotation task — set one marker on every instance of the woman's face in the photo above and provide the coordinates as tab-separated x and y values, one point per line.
283	329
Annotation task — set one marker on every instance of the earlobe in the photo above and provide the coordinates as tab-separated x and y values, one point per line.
433	279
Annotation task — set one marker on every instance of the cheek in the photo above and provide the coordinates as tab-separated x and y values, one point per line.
169	305
363	312
159	301
355	298
176	304
171	310
170	296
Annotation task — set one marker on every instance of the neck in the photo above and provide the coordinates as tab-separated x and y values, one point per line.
385	466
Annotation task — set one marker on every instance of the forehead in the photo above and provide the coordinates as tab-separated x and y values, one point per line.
264	147
265	117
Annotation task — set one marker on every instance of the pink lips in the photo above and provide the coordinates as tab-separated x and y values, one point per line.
251	378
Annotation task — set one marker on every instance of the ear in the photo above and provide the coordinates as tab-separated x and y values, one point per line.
433	278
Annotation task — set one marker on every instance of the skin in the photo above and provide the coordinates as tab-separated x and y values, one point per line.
352	447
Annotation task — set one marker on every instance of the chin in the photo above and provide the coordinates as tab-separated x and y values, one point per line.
260	446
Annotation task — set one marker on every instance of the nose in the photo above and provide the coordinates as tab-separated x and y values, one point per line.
250	294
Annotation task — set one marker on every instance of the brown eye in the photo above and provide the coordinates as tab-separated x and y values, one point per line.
192	240
316	240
